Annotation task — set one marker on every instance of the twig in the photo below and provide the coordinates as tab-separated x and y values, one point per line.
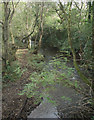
23	107
62	8
59	15
78	6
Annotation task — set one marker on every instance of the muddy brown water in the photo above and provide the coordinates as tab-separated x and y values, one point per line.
49	110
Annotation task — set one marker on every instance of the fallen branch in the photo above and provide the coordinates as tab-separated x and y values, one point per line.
23	107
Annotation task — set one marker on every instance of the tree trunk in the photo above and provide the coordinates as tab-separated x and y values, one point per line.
27	29
12	37
93	49
89	12
73	52
5	33
41	25
35	41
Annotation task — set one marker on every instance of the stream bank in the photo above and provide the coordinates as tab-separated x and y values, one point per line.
68	100
14	105
44	109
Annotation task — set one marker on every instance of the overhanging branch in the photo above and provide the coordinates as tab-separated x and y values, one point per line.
33	27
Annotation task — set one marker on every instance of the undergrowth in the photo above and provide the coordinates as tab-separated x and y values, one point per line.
12	73
45	77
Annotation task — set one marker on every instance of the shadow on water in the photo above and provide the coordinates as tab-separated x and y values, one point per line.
49	52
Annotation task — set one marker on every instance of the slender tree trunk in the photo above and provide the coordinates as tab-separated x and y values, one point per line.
93	29
35	41
93	48
41	25
89	12
10	21
73	52
5	33
27	28
12	37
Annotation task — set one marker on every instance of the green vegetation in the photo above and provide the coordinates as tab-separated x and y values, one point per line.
12	73
30	30
46	78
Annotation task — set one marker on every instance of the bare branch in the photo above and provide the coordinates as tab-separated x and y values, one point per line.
1	22
12	13
62	19
78	6
17	4
82	5
62	8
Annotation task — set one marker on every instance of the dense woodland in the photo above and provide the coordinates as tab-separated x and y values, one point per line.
31	30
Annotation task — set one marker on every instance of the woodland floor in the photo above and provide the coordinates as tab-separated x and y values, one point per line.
14	105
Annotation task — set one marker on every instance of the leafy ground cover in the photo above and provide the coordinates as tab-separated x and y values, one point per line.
15	105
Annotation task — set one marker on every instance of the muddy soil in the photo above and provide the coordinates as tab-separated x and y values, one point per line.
14	105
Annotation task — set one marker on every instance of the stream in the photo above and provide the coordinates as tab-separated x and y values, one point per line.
63	106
